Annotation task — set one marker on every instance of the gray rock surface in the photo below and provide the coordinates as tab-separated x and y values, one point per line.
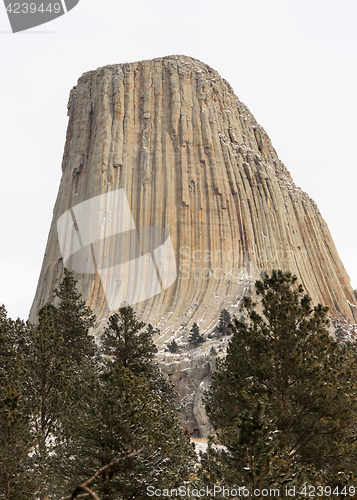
191	374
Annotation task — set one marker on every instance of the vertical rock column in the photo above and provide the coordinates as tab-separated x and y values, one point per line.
192	159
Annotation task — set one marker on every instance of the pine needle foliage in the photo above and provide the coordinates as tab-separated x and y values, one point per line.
17	478
282	356
224	321
135	407
68	410
195	338
59	369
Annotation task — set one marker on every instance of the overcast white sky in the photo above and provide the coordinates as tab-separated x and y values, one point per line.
292	62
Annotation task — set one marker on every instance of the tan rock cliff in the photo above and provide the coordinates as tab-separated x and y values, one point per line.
193	160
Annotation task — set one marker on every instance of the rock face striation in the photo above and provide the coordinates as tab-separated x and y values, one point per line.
193	160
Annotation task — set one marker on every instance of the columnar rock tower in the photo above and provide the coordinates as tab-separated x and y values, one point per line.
192	159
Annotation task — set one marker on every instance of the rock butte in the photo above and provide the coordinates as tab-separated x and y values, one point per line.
192	159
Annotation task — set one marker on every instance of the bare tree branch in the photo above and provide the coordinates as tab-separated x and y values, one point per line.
77	496
89	492
109	465
84	486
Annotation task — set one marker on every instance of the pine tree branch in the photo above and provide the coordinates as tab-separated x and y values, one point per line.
84	486
305	435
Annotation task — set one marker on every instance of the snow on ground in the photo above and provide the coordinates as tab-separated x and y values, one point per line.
200	445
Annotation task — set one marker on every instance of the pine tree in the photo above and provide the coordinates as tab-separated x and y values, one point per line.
73	322
59	371
74	418
173	347
195	338
152	331
74	319
46	391
252	455
127	343
17	478
134	407
284	357
128	416
224	321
